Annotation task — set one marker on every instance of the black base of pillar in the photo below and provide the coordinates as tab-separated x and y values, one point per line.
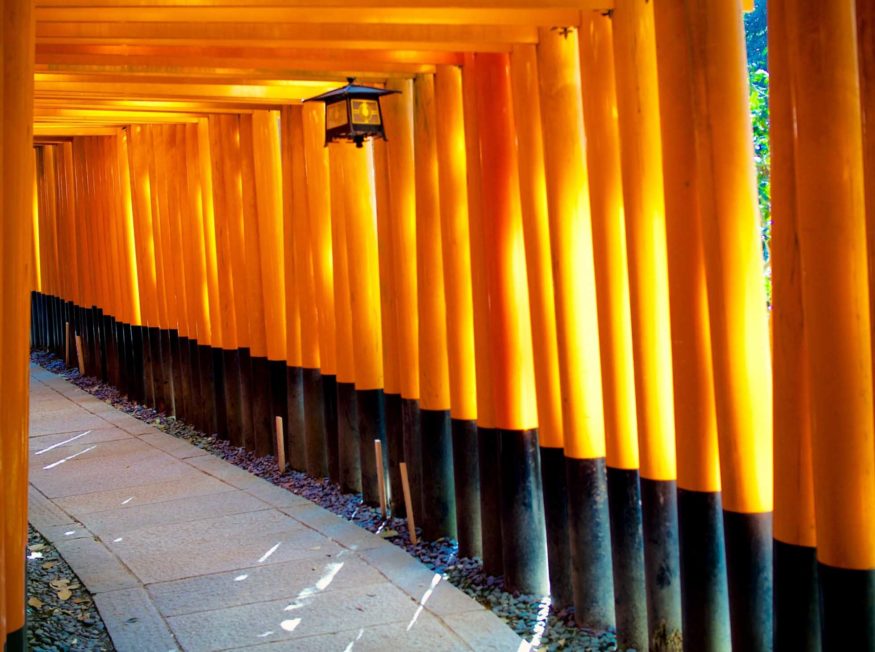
281	378
371	412
220	408
797	612
261	398
232	400
177	373
659	517
208	380
139	367
556	515
627	552
198	408
15	641
847	599
588	523
279	406
296	434
704	593
185	397
148	369
313	394
749	569
412	442
167	379
329	413
467	485
488	454
395	452
246	390
438	489
347	440
522	512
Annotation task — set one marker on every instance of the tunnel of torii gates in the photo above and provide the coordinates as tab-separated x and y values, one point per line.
544	292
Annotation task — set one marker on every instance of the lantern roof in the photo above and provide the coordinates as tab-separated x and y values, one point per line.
350	90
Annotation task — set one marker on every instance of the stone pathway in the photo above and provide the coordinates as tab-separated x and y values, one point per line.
183	551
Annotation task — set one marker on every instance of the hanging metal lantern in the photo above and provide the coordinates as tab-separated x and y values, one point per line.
352	113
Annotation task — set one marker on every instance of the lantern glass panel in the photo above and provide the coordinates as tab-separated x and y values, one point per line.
365	112
335	115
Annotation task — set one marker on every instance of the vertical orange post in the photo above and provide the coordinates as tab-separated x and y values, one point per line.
438	495
360	233
831	223
16	185
577	325
726	185
539	261
456	249
398	120
262	417
866	60
703	559
300	292
233	362
389	308
797	618
644	207
596	42
525	562
487	435
347	413
282	323
141	202
319	215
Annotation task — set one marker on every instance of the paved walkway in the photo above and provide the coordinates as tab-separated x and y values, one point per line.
185	551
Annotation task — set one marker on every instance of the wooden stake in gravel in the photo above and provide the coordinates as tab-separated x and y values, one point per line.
408	504
66	344
80	355
381	480
280	448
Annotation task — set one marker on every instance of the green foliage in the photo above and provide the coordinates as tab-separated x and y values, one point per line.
756	31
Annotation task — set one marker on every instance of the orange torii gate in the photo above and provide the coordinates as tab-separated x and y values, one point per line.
543	293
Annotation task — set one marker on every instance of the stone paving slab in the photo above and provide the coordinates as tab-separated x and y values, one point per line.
145	494
262	583
184	551
133	622
428	634
49	442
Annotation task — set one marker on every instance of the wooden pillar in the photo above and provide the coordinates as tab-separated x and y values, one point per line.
360	216
398	121
389	321
225	150
831	223
727	201
438	494
320	224
299	288
797	617
703	559
525	563
539	261
455	240
615	327
577	326
282	324
349	446
487	433
16	185
641	157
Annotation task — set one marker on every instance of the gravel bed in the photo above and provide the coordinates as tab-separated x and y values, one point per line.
530	616
61	615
